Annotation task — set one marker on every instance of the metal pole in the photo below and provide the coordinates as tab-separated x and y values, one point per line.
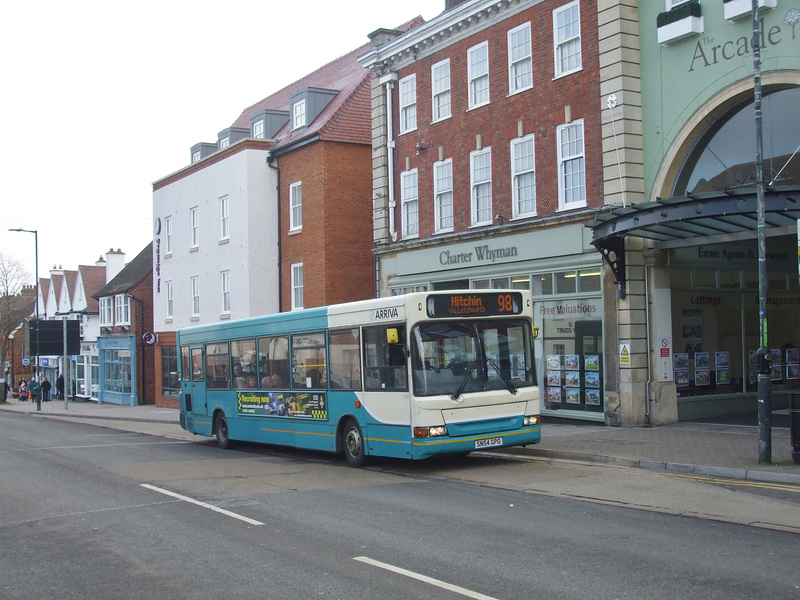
764	378
36	316
66	364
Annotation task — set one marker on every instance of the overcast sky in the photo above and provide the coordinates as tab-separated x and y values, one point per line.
100	99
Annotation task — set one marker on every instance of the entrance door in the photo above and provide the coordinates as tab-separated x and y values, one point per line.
193	388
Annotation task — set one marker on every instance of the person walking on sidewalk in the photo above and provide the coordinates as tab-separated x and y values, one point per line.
22	392
60	387
33	389
46	390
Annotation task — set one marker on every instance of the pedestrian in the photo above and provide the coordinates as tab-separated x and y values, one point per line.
33	389
60	387
46	390
22	392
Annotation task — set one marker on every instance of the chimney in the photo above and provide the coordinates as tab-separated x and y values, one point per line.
379	37
448	4
115	262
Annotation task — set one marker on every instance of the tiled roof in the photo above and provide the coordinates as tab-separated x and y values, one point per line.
133	273
94	278
347	118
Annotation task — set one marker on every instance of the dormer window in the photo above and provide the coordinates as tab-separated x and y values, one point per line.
258	129
224	143
196	156
299	114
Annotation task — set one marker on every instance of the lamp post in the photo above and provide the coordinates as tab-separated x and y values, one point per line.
36	268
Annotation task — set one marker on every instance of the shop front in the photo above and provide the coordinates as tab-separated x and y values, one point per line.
564	272
118	383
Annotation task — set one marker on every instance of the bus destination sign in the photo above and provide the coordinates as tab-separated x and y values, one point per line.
474	304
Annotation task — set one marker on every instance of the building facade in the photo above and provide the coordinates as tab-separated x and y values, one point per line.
683	254
487	163
125	346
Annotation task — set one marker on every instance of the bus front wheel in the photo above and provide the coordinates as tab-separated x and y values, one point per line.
221	431
353	444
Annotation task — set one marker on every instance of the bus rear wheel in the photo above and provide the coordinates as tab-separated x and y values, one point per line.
353	443
221	431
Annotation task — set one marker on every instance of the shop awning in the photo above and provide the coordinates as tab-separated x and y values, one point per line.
692	219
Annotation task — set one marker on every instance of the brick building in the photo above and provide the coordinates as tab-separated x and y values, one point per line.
488	162
125	345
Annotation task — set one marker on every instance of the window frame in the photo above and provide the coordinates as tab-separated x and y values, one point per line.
564	160
296	206
296	288
515	199
194	234
560	44
168	234
436	94
225	291
122	309
472	78
224	218
512	88
299	114
407	103
106	305
170	301
195	284
408	203
438	195
258	129
475	185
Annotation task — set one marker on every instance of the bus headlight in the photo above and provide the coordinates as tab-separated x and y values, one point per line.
531	420
423	432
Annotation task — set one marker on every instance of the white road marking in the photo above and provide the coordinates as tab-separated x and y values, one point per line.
424	578
203	504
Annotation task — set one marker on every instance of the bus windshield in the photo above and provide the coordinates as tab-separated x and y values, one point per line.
461	357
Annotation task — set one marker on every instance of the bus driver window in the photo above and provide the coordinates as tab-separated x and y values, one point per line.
385	358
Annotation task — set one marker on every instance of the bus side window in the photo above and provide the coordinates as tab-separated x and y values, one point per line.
385	358
344	359
197	364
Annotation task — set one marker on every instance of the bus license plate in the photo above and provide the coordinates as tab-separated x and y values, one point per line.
490	443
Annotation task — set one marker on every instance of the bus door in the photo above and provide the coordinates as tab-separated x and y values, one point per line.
193	388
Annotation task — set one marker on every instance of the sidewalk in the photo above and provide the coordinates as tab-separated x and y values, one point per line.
719	450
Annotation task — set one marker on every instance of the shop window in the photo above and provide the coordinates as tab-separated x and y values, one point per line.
170	385
480	284
589	280
729	279
776	282
565	282
681	278
705	278
751	280
543	284
521	283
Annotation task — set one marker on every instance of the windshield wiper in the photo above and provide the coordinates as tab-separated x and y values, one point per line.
506	380
464	381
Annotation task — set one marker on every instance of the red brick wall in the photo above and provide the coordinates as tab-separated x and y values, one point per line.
335	244
541	110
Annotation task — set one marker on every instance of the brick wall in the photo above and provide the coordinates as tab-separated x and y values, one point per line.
539	110
336	239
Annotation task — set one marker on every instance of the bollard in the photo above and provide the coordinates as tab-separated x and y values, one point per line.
794	426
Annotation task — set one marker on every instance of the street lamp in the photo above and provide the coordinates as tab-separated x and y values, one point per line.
36	268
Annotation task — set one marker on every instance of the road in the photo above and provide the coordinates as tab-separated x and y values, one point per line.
88	512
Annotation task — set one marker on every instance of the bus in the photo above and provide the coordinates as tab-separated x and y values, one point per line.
408	376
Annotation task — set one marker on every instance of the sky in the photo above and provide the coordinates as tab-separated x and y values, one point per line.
100	99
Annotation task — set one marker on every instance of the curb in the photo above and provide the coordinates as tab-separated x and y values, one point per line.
667	467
